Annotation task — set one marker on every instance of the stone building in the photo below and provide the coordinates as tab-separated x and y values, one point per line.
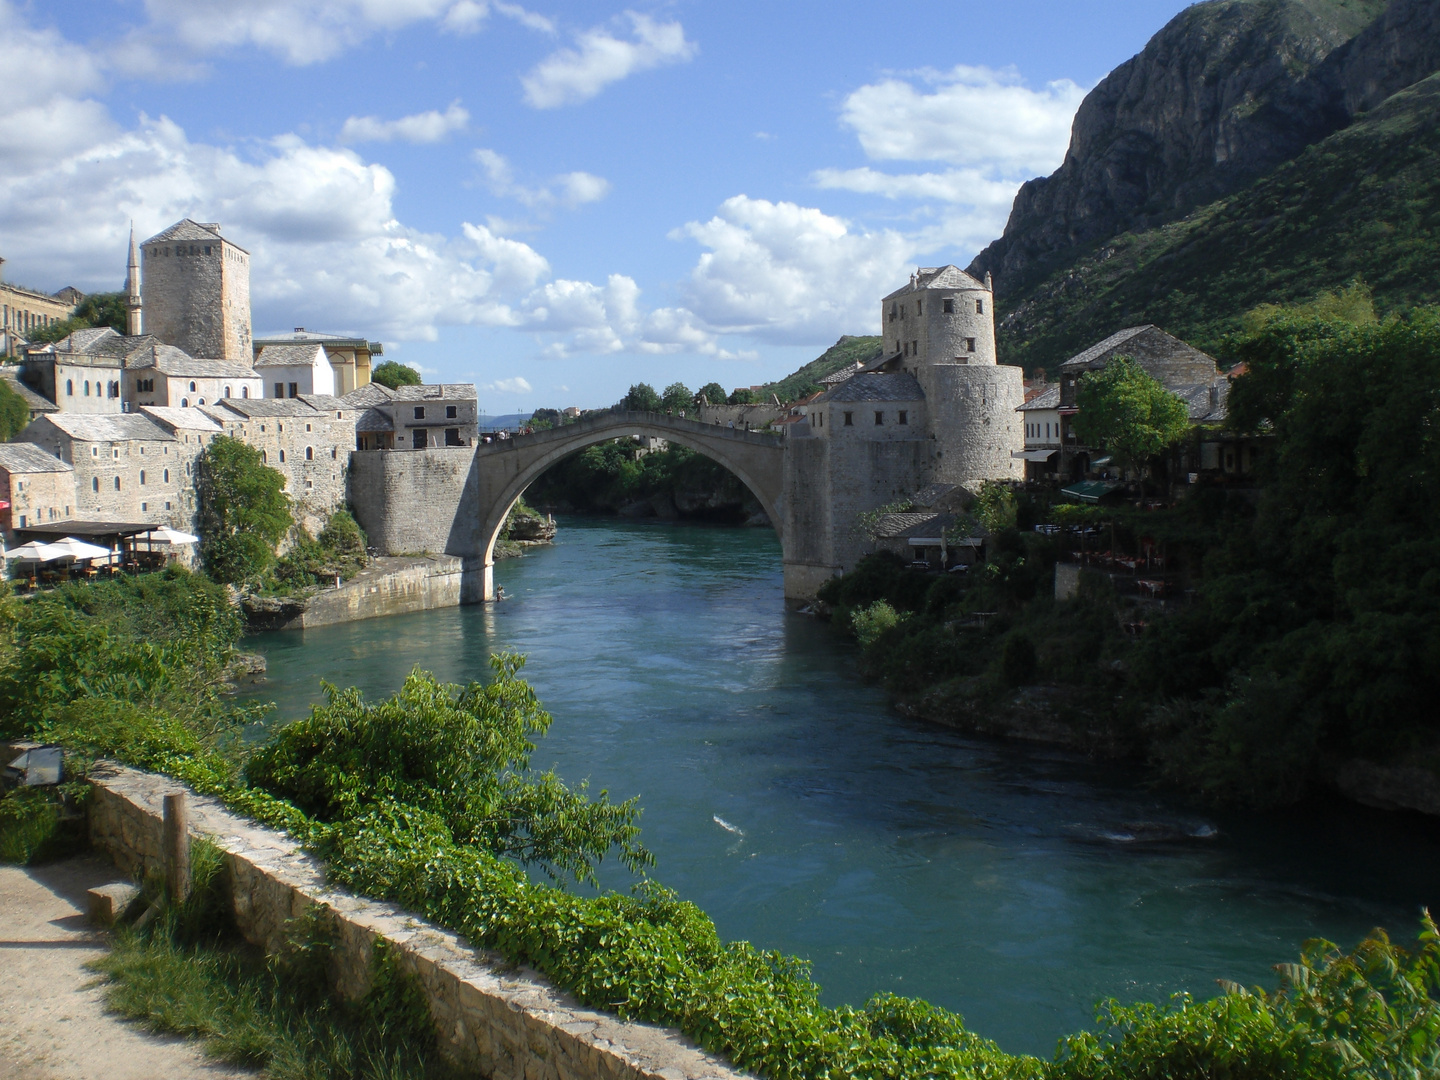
934	408
1040	416
37	486
82	373
23	311
292	370
37	404
306	439
416	417
127	467
163	375
350	357
195	290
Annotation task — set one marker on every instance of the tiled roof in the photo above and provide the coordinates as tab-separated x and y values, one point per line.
190	231
1206	403
437	392
339	341
898	387
325	402
291	356
168	360
837	377
368	396
943	277
189	419
1090	355
252	408
37	403
372	420
904	526
1046	399
108	427
24	457
932	494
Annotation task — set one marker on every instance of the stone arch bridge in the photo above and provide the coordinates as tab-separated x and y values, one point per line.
455	499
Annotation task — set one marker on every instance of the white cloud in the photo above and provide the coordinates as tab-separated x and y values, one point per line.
517	385
569	190
570	76
971	116
426	127
968	186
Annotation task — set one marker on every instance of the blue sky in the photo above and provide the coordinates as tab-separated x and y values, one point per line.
551	201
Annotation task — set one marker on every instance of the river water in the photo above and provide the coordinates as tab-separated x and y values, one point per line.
1018	886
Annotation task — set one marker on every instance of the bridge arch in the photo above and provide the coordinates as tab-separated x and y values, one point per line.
505	469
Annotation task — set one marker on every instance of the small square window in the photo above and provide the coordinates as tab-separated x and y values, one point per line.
879	418
849	419
904	417
979	307
949	307
419	412
450	412
969	344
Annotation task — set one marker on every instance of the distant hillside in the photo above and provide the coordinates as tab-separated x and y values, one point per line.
844	353
1364	202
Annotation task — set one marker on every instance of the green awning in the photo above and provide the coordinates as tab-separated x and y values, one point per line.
1091	491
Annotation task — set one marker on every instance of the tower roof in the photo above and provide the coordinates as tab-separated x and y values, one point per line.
942	277
188	230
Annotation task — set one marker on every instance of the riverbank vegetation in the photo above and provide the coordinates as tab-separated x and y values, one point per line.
134	670
1312	638
612	478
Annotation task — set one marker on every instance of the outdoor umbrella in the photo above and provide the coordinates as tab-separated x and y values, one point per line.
35	551
167	535
73	548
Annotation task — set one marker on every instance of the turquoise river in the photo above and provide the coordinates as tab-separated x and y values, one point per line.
1016	885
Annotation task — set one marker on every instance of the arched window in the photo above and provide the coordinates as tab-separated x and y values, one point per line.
167	476
184	402
244	391
309	453
87	387
282	457
200	402
227	391
192	387
117	483
69	387
95	483
264	458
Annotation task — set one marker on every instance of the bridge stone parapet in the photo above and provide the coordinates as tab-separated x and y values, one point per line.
454	500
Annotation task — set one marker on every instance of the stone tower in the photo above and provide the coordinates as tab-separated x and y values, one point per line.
196	291
941	329
132	290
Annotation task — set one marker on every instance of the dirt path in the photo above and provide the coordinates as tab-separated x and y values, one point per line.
51	1026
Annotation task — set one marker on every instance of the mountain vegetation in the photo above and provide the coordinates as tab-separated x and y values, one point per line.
846	352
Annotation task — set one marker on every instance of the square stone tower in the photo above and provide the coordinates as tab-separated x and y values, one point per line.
195	291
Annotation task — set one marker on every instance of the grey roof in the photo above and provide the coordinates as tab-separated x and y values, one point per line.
869	387
24	457
836	377
189	419
437	392
168	360
904	526
372	420
1090	355
931	494
108	427
368	396
324	402
1046	399
86	340
191	231
253	408
1205	403
338	341
290	355
942	277
37	403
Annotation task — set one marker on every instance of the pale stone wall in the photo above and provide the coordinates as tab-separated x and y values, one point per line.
85	387
389	586
277	379
36	497
973	417
423	501
196	296
501	1021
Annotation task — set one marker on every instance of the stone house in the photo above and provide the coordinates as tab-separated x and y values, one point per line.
83	373
23	311
165	376
291	370
1041	418
195	291
350	357
36	485
127	467
416	417
306	439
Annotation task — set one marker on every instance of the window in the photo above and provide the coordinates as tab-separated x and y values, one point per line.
294	389
969	344
200	402
227	391
264	460
904	417
450	412
918	310
309	483
142	477
309	453
280	427
849	419
167	505
167	476
307	427
87	388
279	389
879	418
69	387
979	307
144	506
282	457
949	307
117	483
452	437
184	402
115	453
94	451
334	453
22	521
95	483
244	391
419	412
192	387
419	440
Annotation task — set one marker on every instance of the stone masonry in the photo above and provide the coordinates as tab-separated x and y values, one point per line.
195	289
492	1018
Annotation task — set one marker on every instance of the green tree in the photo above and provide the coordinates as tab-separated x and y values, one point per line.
1129	413
244	512
392	374
713	392
14	413
97	309
677	396
642	398
743	396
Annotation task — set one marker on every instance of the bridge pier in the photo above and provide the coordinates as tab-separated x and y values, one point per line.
487	581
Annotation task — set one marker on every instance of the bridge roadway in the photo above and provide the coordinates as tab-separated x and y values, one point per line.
455	499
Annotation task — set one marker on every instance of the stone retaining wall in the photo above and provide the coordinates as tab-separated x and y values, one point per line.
390	586
503	1022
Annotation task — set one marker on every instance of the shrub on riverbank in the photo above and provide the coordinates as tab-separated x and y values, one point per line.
426	799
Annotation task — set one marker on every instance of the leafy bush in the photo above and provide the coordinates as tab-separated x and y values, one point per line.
339	551
1017	660
14	412
870	622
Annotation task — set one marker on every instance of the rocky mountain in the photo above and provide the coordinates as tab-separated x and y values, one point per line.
1224	93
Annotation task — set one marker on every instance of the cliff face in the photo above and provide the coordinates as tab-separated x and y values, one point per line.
1228	90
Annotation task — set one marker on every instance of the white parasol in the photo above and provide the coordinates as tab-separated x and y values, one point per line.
35	551
74	548
167	535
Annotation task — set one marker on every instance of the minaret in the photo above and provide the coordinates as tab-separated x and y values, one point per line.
132	289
